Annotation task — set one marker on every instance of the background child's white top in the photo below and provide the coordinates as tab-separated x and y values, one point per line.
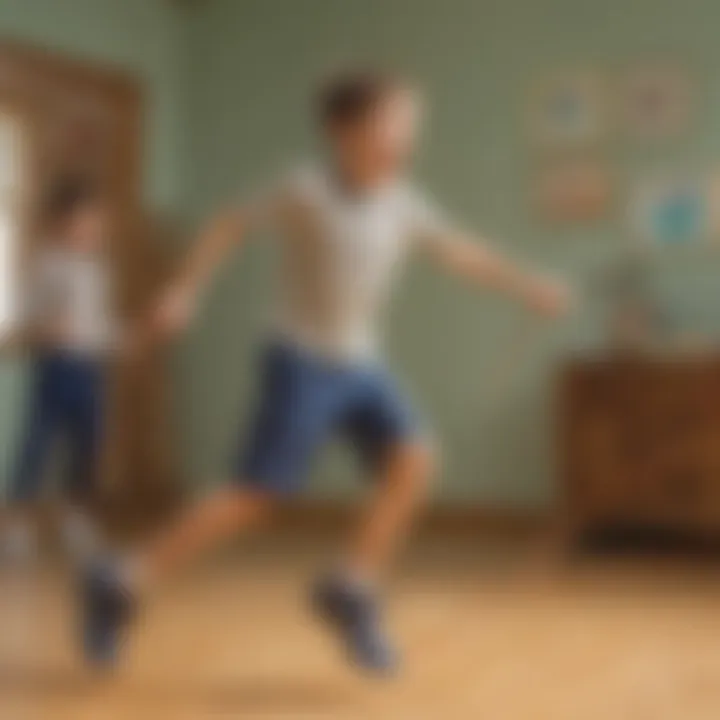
71	289
341	252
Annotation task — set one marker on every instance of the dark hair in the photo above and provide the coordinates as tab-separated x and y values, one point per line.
68	195
349	96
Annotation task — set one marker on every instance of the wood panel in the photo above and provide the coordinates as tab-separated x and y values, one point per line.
89	119
482	635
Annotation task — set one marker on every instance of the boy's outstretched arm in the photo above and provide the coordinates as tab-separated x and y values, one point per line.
478	262
178	304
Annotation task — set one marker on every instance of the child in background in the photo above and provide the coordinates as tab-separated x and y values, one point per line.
346	225
67	327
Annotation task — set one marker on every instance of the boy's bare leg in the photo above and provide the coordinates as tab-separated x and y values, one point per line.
109	594
218	517
386	521
347	601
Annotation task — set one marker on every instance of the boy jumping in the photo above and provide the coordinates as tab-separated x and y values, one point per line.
346	225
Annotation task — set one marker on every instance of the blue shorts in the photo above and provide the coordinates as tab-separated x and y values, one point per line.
305	400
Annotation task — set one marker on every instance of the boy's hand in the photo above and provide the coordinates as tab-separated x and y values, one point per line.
54	333
174	311
550	297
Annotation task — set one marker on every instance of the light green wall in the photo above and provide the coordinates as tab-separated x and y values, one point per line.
251	65
228	85
143	37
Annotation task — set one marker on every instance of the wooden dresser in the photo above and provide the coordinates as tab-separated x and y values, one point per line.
640	443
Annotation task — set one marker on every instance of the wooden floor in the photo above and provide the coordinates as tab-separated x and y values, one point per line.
484	635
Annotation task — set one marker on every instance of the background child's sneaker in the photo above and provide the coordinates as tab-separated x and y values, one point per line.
353	612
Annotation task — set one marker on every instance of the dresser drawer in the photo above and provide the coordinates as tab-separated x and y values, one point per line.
641	441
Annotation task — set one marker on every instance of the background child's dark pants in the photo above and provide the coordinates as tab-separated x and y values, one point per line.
66	404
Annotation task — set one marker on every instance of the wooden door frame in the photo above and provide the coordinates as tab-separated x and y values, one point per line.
114	86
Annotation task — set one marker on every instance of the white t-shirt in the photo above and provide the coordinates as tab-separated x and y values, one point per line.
72	289
340	253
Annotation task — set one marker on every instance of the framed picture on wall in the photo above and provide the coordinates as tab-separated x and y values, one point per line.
573	190
672	210
568	110
657	101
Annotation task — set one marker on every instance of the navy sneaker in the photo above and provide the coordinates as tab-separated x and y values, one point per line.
355	615
106	610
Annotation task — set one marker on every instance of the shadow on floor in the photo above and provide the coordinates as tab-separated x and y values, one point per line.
281	694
